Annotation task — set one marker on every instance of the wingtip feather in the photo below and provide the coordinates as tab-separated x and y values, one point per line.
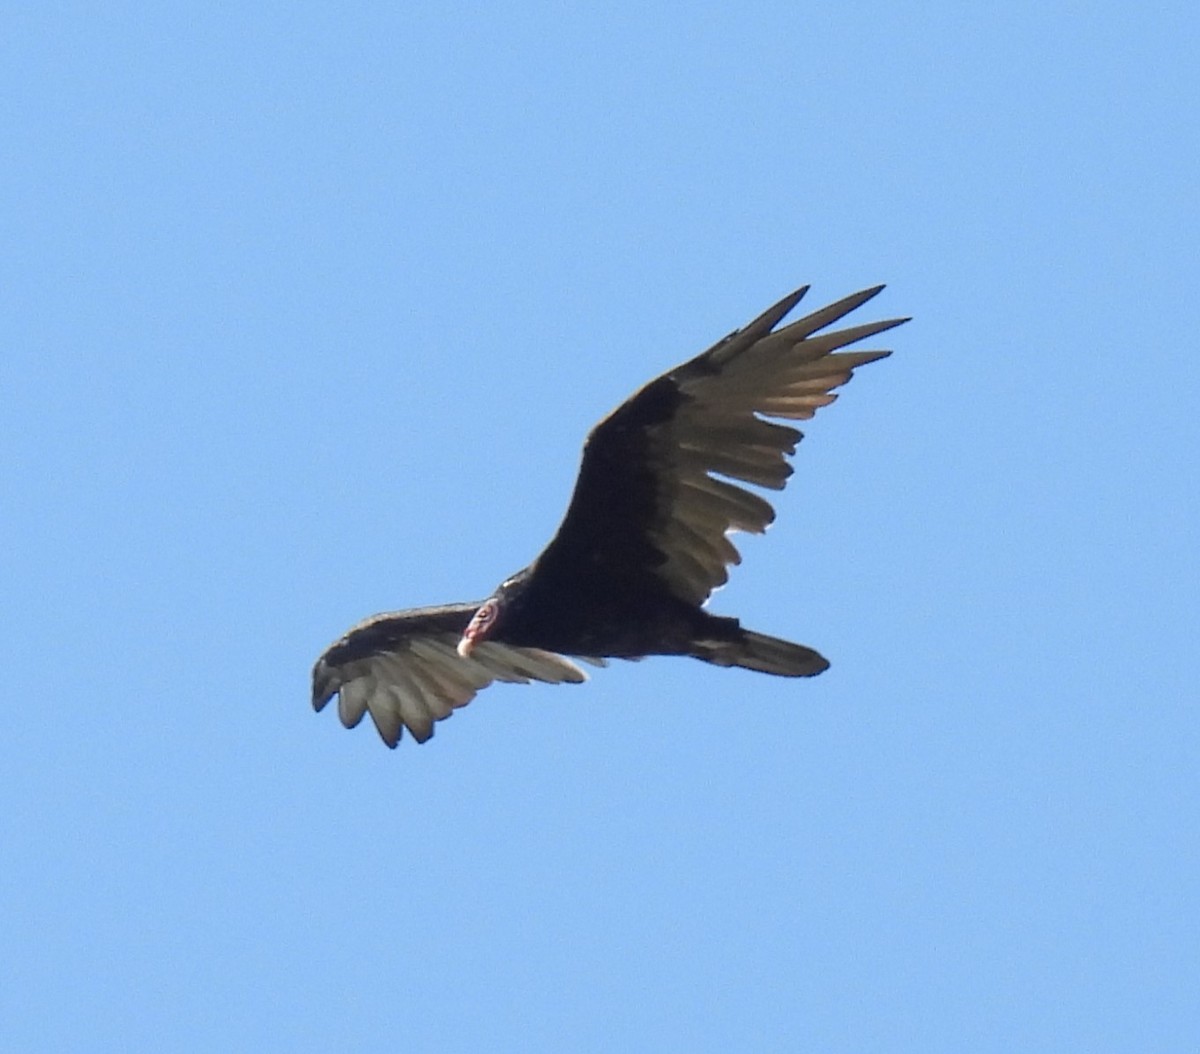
324	685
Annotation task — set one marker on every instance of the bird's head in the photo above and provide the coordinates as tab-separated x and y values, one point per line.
490	615
481	626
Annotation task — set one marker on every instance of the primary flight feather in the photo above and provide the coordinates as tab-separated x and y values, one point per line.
644	542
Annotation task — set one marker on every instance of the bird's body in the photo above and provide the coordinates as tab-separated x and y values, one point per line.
642	546
621	619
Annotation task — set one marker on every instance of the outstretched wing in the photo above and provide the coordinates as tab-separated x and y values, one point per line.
649	502
403	670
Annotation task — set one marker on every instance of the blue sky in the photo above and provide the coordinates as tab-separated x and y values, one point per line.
306	312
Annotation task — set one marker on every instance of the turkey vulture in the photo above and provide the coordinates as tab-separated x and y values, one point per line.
644	542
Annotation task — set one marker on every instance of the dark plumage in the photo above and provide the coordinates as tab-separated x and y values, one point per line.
644	542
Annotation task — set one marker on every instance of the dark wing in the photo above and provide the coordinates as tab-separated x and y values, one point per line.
403	670
648	500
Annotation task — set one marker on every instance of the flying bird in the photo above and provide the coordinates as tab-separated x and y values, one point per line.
644	542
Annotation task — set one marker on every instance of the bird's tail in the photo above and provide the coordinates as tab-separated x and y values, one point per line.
757	651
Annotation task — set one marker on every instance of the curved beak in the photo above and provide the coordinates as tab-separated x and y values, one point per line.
466	644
